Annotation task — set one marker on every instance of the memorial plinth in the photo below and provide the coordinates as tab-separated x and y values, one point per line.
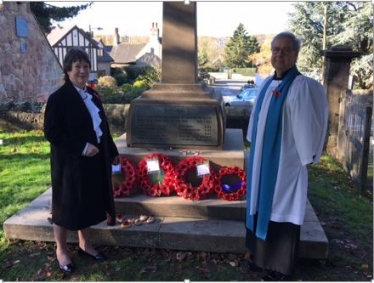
177	116
179	112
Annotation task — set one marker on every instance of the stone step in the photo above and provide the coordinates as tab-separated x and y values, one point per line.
211	225
175	206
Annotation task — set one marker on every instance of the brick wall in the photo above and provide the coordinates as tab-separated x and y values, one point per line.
29	70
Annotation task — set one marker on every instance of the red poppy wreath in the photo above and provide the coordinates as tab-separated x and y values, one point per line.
157	183
185	189
130	182
234	191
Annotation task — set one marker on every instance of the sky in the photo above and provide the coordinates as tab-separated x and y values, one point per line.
214	18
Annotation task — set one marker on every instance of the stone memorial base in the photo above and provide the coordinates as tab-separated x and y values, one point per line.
176	116
211	225
231	155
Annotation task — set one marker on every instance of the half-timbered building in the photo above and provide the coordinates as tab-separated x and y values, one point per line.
63	38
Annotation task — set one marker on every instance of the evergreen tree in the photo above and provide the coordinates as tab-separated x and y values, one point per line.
262	58
322	25
358	34
46	13
239	47
308	23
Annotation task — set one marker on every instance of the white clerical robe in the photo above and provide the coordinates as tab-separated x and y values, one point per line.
304	122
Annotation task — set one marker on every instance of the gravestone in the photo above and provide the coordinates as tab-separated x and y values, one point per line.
179	112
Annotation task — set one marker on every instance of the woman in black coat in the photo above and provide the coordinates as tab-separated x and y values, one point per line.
82	151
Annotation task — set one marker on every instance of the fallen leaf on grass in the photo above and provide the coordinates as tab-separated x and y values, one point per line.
364	267
151	269
203	271
180	256
351	246
11	263
233	263
201	256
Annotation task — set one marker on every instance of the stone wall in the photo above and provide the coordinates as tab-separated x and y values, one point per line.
29	70
31	116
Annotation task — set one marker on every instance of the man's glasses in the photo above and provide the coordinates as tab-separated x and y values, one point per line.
286	50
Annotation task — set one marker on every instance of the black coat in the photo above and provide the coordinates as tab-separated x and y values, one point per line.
81	186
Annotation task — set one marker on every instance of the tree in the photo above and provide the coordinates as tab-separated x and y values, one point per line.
358	34
262	59
322	25
239	47
202	58
210	52
307	22
45	13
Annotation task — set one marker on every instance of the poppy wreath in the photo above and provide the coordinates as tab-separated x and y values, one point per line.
131	179
231	192
188	191
165	186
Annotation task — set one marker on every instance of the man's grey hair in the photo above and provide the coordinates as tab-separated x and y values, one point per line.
286	34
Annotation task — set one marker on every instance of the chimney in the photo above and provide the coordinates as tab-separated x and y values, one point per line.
116	40
155	31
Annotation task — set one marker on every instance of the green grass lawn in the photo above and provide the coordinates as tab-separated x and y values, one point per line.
24	171
346	216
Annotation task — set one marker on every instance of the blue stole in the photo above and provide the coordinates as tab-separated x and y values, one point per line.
270	153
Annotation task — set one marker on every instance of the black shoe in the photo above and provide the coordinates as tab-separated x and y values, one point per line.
276	276
68	268
252	266
99	256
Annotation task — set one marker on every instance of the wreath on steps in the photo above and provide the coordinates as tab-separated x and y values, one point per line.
186	169
234	191
131	179
159	182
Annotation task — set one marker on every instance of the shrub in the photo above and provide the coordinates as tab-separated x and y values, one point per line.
106	91
141	84
121	79
133	72
107	81
120	95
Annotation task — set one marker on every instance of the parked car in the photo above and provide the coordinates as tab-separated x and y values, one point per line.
202	74
249	84
244	99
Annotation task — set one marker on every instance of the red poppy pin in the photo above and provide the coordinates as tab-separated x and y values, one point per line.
276	93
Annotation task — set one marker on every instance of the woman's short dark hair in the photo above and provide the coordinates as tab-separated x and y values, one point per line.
74	54
286	34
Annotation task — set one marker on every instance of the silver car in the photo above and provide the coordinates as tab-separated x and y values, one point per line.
244	99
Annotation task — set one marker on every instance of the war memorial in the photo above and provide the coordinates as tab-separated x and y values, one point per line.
176	132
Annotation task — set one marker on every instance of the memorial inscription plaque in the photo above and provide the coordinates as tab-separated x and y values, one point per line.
177	125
